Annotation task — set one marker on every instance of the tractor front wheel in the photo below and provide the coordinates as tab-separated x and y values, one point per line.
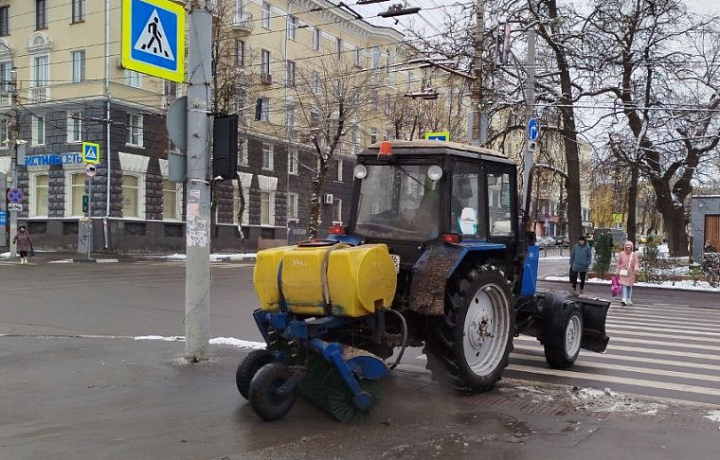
562	351
266	397
469	347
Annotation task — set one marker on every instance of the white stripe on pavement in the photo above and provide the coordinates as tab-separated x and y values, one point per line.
650	317
613	346
663	327
688	336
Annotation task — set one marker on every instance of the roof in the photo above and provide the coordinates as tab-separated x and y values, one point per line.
432	147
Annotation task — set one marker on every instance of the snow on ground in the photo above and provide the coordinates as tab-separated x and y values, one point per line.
237	343
216	257
175	338
685	285
714	416
5	255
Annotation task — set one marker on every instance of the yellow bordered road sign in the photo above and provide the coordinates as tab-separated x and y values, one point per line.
438	136
91	153
153	38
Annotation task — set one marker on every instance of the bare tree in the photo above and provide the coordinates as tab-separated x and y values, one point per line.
331	95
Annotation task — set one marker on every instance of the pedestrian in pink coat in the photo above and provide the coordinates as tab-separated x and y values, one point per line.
627	267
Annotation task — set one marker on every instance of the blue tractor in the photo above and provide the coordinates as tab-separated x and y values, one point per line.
452	270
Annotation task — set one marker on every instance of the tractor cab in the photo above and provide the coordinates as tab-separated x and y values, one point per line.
413	195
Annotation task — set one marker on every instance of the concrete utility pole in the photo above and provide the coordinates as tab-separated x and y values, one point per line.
197	229
14	136
528	163
478	131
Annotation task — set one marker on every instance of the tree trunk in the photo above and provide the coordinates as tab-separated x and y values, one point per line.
673	214
632	203
316	200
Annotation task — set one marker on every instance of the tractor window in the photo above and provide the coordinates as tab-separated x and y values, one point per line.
398	202
500	204
465	205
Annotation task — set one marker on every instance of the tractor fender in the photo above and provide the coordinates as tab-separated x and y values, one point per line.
433	269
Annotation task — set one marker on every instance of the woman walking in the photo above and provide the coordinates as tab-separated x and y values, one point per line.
24	243
580	259
626	269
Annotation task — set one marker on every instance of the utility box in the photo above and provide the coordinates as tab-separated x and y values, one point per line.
84	236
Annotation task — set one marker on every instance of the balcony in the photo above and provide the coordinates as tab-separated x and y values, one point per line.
39	94
266	78
243	23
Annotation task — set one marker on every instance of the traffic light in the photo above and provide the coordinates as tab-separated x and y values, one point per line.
225	147
86	204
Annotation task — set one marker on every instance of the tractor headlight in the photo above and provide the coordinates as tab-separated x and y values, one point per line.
435	173
360	172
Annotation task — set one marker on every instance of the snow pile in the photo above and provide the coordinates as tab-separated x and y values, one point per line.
219	257
713	416
688	285
595	400
175	338
237	343
5	255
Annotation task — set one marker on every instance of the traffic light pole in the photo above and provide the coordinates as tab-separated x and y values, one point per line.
14	136
197	210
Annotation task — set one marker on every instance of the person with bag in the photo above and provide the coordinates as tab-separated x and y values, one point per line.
24	243
626	269
580	259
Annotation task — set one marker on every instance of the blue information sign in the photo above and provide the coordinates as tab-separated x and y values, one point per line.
533	129
3	219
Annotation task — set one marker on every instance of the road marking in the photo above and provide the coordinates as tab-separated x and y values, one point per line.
639	370
618	357
706	319
662	320
618	380
620	328
667	336
661	327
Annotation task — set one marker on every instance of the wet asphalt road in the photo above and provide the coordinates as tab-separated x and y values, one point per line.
71	397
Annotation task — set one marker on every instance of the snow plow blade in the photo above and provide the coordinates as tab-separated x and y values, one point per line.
594	316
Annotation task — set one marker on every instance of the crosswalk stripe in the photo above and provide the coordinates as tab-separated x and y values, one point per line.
688	337
657	321
661	327
709	319
639	370
618	380
622	328
524	350
665	352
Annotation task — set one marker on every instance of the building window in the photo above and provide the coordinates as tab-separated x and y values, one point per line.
375	57
317	35
130	196
243	156
262	109
74	123
78	66
38	130
132	78
339	47
267	208
292	23
135	129
40	189
78	11
337	214
373	135
240	53
290	73
315	82
292	206
4	134
290	116
358	57
41	14
5	79
170	200
77	190
374	103
41	68
293	163
265	61
339	170
4	21
268	155
265	18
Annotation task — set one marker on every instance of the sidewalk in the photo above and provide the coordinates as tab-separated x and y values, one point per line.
116	398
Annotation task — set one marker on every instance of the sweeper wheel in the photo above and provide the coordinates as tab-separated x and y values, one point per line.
265	399
248	367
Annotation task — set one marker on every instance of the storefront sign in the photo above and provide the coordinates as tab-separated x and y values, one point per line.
53	159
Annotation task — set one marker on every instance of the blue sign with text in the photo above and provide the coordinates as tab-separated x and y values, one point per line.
53	159
3	219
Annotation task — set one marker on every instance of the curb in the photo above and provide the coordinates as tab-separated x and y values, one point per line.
658	286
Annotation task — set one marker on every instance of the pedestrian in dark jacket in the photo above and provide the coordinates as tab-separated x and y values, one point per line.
24	243
580	259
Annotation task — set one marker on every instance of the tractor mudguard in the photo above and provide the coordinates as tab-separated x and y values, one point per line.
430	273
594	312
434	268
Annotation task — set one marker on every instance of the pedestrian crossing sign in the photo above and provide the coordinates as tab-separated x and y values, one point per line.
91	153
153	38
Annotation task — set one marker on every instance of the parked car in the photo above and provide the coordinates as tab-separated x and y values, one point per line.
546	241
618	236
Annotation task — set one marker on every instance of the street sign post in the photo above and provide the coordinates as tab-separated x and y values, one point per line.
443	136
91	153
153	38
533	128
15	195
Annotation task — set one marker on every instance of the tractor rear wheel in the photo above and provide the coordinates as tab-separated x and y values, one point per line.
248	367
469	347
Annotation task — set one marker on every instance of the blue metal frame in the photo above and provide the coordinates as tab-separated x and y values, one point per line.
530	271
474	246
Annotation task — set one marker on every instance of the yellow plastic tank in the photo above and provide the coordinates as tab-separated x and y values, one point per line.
359	279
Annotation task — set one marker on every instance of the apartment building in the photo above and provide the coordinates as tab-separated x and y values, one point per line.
72	88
